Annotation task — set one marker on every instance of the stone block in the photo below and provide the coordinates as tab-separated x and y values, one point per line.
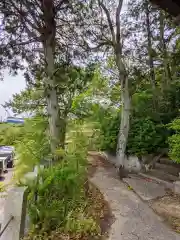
132	164
15	206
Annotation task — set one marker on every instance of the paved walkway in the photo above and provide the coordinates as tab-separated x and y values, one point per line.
8	177
134	220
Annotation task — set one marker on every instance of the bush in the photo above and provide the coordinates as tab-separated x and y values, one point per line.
59	194
107	127
61	200
174	141
145	137
33	147
10	133
109	130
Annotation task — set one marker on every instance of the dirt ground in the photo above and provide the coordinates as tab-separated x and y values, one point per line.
168	207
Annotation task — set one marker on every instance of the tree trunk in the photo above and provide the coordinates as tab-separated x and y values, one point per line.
125	111
49	50
150	50
124	125
167	71
62	138
52	102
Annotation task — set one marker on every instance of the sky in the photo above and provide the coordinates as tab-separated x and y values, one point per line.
9	86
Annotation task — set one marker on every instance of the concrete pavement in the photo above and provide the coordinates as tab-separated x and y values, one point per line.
7	180
134	219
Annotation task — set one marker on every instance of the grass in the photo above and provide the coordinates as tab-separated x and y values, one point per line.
97	209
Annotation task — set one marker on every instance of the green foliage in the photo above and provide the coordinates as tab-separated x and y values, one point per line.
61	199
109	129
147	131
2	187
106	125
58	194
10	133
33	147
174	141
145	137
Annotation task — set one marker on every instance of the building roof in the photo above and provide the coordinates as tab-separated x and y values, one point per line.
14	120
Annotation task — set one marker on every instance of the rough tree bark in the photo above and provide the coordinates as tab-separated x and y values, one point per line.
167	71
150	49
124	125
50	83
125	108
116	40
125	97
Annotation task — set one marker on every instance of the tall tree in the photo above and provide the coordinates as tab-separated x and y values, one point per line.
107	33
146	7
71	81
163	46
37	31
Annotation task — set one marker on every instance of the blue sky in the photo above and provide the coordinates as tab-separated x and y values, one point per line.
9	86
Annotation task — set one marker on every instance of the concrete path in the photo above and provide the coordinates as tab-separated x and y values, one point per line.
134	220
6	181
145	188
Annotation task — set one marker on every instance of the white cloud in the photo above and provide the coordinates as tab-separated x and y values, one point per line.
9	86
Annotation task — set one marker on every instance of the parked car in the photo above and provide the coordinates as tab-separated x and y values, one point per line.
3	165
8	153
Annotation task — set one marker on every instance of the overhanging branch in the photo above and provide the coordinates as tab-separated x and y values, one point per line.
101	4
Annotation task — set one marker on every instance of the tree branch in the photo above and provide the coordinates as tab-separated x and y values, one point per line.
118	11
101	4
58	6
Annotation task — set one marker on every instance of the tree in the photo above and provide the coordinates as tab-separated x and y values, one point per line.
36	31
71	81
140	17
107	32
146	6
163	45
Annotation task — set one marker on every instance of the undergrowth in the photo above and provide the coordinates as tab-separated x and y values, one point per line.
62	204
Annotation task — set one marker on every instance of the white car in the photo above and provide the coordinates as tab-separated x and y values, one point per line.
3	165
8	152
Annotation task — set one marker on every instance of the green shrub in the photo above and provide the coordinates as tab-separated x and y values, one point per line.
145	137
33	147
10	133
110	133
107	125
59	193
58	201
174	141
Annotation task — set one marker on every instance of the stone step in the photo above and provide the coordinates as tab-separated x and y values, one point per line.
166	160
168	169
161	174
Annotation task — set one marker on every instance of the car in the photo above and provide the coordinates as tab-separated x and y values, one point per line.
8	153
3	165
